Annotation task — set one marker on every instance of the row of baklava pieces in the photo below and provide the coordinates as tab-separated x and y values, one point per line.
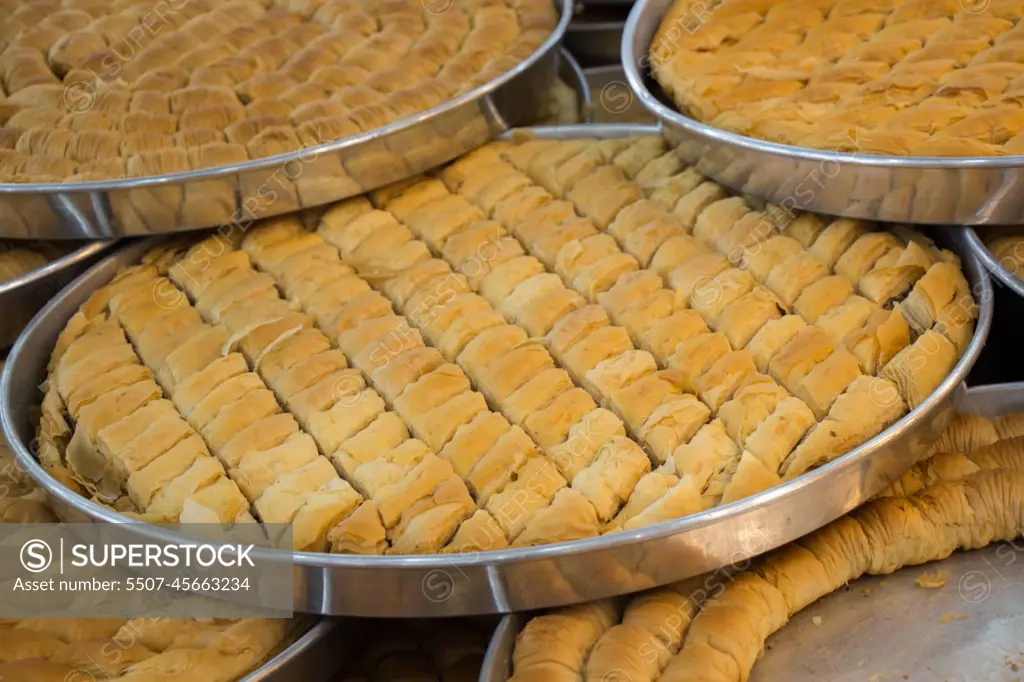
807	41
427	223
458	248
55	649
275	51
658	408
465	326
993	129
126	45
223	400
849	54
127	437
300	67
523	497
839	275
451	651
713	627
815	267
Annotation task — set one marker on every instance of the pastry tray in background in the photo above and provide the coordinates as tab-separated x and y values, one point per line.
21	297
524	579
923	190
988	259
138	206
889	628
570	73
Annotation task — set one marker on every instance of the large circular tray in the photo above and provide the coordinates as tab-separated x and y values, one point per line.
274	185
530	578
925	190
874	629
988	259
22	297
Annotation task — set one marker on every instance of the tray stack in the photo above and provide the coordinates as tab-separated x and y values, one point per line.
519	371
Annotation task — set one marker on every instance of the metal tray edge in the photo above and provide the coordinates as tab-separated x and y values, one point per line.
309	657
988	260
733	159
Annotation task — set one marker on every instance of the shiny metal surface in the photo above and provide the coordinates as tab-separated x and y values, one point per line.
995	268
927	190
313	656
497	665
595	35
22	297
613	100
287	182
530	578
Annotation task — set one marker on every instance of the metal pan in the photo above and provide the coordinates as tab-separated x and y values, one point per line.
530	578
287	182
880	620
22	297
570	73
925	190
613	100
313	656
997	269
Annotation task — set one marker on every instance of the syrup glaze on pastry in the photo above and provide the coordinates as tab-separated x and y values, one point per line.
254	79
541	342
914	78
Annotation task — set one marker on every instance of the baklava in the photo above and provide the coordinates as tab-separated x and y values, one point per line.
142	649
714	627
540	342
233	81
916	78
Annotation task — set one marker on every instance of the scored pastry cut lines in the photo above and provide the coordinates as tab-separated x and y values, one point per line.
588	445
521	491
275	462
385	247
662	163
412	486
729	454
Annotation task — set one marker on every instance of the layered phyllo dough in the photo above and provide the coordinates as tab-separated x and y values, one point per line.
890	78
714	627
541	342
86	98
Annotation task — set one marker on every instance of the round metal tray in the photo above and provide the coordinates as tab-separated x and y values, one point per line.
570	73
530	578
287	182
22	297
980	249
845	629
926	190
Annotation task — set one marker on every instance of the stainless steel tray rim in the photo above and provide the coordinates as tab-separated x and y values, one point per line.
983	294
988	260
53	267
552	41
634	56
